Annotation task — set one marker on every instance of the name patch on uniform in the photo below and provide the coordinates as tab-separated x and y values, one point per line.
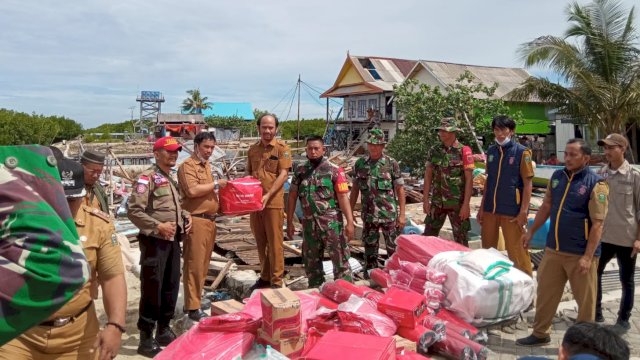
490	158
555	183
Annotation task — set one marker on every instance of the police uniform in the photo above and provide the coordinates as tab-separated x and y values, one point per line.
377	180
34	214
265	163
576	200
317	188
507	167
154	200
198	245
448	166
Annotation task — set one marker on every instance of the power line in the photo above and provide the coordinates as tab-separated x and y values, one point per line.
285	95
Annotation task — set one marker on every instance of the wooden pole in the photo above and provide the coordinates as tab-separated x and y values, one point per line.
298	138
221	275
124	172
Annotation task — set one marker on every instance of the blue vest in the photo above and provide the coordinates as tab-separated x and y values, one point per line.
570	220
504	184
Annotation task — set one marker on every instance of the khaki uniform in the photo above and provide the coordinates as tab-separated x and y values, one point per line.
264	164
199	243
154	200
75	339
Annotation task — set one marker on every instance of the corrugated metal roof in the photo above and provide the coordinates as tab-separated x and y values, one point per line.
507	78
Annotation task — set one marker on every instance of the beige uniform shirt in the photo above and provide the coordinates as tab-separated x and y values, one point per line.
101	247
621	223
193	172
155	200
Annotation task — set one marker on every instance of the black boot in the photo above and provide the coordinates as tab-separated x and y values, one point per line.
148	346
197	314
164	335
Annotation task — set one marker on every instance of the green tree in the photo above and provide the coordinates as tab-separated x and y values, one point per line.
195	103
257	113
597	59
424	106
17	128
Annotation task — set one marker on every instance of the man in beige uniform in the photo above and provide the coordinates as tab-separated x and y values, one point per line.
269	161
154	207
197	187
93	163
73	331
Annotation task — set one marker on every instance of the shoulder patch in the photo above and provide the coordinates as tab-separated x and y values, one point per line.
114	239
143	179
102	215
602	198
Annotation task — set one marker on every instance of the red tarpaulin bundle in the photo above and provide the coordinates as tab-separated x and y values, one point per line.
361	290
235	322
402	354
335	292
460	347
360	316
324	301
241	196
200	344
380	277
423	337
348	346
453	321
421	249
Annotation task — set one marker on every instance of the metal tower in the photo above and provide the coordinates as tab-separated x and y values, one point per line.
150	107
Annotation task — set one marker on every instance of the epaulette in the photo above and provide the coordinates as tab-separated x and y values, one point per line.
93	211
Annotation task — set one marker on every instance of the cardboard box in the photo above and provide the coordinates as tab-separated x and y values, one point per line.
350	346
290	347
281	316
226	307
404	307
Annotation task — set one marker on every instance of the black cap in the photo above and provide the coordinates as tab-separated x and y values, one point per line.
92	156
72	177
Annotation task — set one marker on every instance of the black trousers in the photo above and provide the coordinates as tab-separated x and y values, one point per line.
627	265
159	281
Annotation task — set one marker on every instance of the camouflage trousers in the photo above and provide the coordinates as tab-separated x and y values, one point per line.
371	240
433	223
320	234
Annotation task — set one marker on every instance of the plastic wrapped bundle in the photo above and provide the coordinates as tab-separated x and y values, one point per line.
423	337
335	292
458	346
454	321
421	249
409	355
199	344
360	316
380	277
235	322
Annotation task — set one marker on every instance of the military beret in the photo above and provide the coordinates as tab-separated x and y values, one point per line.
92	156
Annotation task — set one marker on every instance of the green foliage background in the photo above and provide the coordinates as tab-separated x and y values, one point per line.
424	106
17	128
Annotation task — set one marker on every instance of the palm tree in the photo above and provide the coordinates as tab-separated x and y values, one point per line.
195	103
597	60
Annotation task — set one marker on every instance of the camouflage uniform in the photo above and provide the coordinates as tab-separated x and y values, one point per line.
322	221
41	261
377	180
447	188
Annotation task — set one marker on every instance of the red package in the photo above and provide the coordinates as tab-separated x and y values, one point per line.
348	346
459	347
434	295
199	344
241	196
433	323
421	249
404	307
235	322
361	290
335	292
324	320
324	301
393	263
360	316
381	278
453	321
423	337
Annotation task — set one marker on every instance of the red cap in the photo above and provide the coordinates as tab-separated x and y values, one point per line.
168	143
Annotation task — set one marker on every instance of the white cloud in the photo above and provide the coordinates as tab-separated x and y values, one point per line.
89	59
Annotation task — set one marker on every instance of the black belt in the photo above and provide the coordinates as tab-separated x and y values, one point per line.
62	321
205	216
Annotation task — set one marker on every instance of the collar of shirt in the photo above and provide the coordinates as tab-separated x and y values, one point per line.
197	159
371	161
271	143
623	169
453	146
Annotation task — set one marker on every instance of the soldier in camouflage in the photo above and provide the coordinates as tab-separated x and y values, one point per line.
322	188
42	263
383	201
448	185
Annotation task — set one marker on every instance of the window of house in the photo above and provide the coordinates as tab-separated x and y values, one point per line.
386	135
373	104
352	109
362	108
388	109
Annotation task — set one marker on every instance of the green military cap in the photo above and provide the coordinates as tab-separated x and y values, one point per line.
448	124
376	137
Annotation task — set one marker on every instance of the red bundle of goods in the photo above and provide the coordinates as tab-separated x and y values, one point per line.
460	347
423	337
393	263
335	292
402	278
421	249
199	344
403	354
360	290
324	301
434	295
431	322
235	322
360	316
380	277
241	196
454	322
324	320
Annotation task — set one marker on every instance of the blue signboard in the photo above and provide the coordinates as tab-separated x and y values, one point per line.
151	95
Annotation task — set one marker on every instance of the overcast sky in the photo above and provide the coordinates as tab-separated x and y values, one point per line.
88	60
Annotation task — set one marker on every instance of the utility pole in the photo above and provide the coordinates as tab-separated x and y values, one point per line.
298	138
